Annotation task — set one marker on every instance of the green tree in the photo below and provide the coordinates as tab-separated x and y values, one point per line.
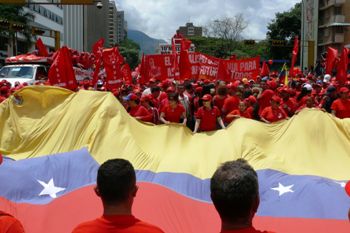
18	22
131	51
284	28
216	47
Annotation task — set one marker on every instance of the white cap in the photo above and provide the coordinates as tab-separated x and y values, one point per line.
326	78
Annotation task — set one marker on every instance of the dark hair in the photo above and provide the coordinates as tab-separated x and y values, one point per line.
155	89
115	180
222	90
234	189
173	96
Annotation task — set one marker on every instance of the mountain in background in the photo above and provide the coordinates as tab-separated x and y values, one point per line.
148	44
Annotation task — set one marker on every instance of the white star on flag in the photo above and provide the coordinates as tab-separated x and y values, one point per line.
342	184
283	189
50	188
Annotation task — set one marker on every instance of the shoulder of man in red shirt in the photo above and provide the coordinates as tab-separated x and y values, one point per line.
10	224
111	224
231	103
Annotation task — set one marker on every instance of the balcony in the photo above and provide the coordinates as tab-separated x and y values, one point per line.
329	3
337	38
334	20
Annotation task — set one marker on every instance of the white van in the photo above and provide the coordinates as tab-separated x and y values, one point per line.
28	73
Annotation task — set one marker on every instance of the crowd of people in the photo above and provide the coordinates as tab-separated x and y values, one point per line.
205	105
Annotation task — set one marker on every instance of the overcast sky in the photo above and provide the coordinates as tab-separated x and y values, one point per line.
160	18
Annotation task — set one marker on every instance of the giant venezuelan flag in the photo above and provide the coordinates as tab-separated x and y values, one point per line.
56	139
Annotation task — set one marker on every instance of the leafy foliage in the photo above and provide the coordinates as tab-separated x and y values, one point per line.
284	27
130	50
16	15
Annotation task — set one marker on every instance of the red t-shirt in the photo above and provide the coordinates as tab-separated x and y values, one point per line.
173	114
208	118
245	230
10	224
273	115
219	101
142	112
237	112
291	106
264	99
341	108
116	224
230	103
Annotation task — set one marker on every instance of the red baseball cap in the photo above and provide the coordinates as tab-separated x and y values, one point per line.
276	99
207	97
344	90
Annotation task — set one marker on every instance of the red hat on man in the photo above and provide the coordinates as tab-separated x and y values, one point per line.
276	99
344	90
207	97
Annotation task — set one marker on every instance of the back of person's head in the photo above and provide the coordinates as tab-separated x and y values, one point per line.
235	191
116	180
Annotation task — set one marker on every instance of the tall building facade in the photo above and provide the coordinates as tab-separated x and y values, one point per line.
121	27
190	30
324	23
49	18
112	24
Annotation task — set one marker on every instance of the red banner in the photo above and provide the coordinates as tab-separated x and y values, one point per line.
111	60
201	66
245	68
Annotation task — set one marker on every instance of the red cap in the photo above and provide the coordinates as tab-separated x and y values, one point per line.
344	90
252	99
207	97
146	98
132	97
276	99
1	159
152	80
170	89
198	89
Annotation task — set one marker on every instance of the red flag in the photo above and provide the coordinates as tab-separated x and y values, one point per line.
342	67
97	51
126	72
294	56
185	65
143	71
174	52
61	72
265	71
113	72
42	51
185	44
332	54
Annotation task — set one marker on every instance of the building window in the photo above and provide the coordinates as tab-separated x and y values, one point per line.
338	10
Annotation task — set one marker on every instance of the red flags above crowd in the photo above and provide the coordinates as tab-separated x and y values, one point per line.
42	51
97	51
111	61
342	67
61	72
265	71
185	65
330	59
126	73
294	55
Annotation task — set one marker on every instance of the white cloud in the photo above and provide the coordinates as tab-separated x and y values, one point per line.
161	18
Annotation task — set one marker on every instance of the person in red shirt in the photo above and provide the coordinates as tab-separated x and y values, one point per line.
220	98
9	224
289	104
173	111
116	186
341	106
136	110
207	116
147	102
234	191
242	111
264	96
274	112
231	102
